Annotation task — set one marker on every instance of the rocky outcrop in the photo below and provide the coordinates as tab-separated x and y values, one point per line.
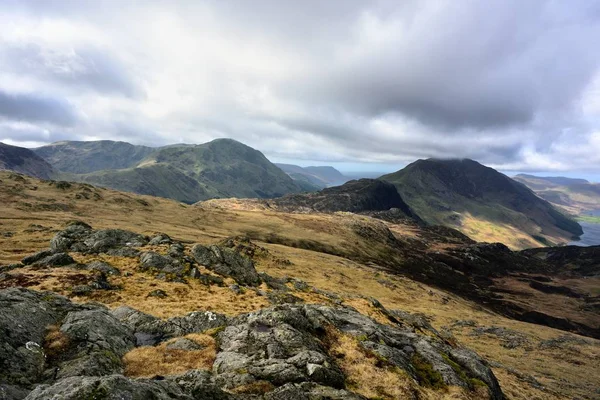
284	345
149	330
79	237
110	387
96	343
69	351
227	262
24	317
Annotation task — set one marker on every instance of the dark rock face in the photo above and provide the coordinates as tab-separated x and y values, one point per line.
36	257
583	261
354	196
227	262
100	266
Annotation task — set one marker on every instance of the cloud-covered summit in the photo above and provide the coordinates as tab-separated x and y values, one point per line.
513	84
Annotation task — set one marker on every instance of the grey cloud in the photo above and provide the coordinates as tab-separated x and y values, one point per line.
489	80
84	67
36	108
472	64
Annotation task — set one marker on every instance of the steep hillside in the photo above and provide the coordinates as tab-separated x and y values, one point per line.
482	203
574	195
221	168
24	161
385	310
86	157
161	180
320	177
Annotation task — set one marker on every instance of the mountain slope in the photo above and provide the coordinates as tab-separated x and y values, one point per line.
221	168
481	202
24	161
320	177
574	195
85	157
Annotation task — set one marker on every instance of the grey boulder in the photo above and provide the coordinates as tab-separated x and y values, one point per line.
227	262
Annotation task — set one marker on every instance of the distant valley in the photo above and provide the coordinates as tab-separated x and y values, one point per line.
574	195
578	197
315	177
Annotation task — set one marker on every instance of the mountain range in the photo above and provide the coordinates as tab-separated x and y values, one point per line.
463	194
188	173
576	196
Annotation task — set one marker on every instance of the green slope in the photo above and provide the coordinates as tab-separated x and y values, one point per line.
191	173
464	193
85	157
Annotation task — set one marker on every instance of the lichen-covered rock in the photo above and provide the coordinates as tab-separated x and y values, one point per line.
274	283
152	261
201	385
97	342
227	262
408	350
184	344
55	260
103	267
310	391
161	238
81	238
24	318
149	330
36	257
114	387
277	345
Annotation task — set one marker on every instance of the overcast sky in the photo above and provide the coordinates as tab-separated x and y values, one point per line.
360	84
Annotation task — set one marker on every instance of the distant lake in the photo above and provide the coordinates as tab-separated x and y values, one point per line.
591	232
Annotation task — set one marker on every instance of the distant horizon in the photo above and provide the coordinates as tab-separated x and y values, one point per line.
358	170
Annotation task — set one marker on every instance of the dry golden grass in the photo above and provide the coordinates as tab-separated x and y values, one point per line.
374	378
258	387
55	342
365	373
152	361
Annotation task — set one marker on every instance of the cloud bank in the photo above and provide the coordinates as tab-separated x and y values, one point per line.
513	84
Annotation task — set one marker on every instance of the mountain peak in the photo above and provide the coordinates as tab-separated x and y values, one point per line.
474	198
